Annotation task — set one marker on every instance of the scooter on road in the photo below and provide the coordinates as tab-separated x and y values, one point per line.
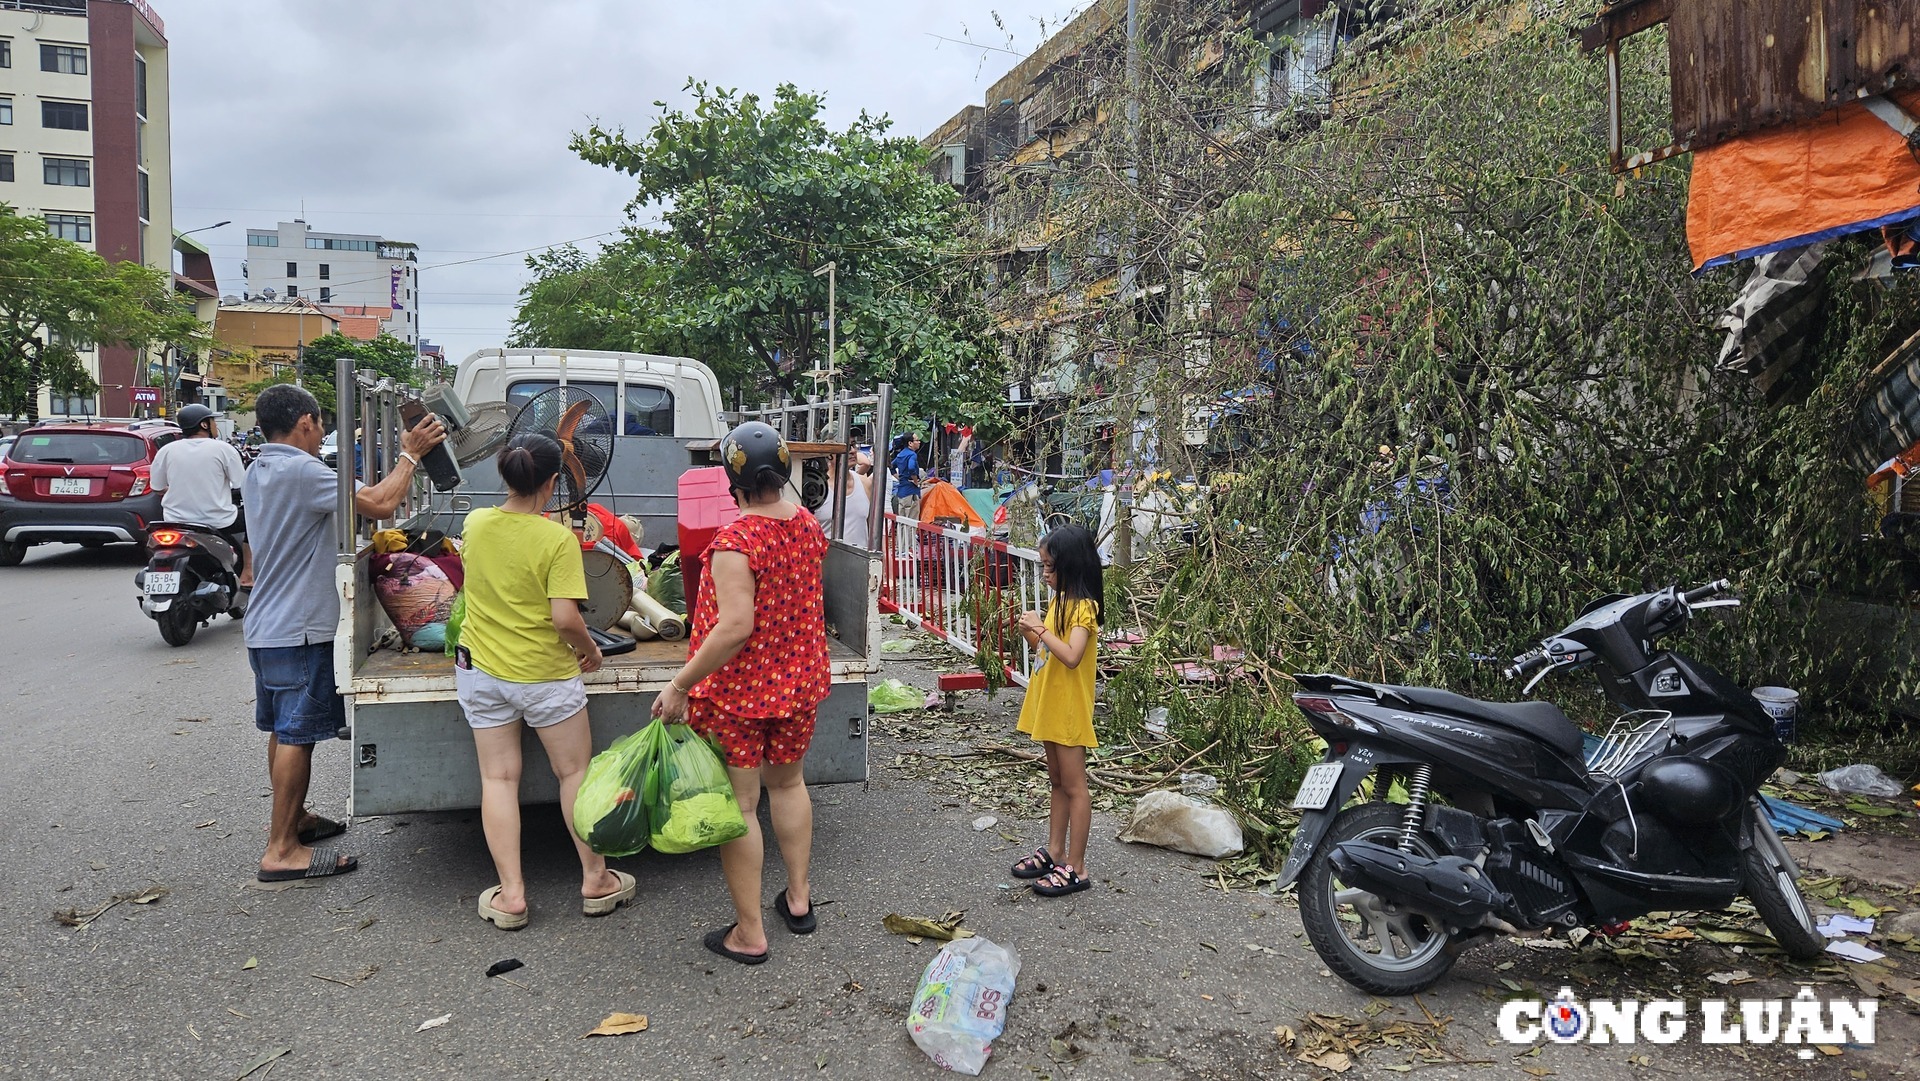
1517	822
191	576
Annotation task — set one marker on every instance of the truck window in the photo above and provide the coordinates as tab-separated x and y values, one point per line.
649	408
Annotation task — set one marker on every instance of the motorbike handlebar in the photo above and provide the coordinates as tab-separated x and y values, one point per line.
1711	589
1525	663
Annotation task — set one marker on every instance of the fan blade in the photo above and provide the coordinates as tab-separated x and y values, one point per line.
570	420
574	469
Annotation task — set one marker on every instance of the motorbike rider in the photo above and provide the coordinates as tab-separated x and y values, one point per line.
197	476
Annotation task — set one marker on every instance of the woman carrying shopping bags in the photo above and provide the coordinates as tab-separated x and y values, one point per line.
757	673
523	648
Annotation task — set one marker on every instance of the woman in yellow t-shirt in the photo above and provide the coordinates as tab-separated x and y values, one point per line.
523	648
1058	712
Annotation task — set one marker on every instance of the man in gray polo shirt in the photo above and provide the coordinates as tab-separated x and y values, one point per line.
291	500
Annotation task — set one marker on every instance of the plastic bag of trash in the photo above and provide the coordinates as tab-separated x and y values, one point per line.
893	696
610	812
1184	824
1861	779
690	801
666	584
961	1003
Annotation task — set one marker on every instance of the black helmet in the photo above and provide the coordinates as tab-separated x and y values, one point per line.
752	450
192	417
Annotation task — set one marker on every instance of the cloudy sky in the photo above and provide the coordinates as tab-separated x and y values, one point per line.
445	122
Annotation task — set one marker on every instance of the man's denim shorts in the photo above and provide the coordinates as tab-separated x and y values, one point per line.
293	693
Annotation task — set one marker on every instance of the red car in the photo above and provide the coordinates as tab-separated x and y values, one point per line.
80	484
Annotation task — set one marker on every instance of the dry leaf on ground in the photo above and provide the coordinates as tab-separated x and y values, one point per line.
620	1024
946	928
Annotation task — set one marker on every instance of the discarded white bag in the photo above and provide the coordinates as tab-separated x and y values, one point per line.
961	1003
1184	824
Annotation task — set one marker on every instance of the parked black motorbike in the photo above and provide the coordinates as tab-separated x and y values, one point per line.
1515	822
192	576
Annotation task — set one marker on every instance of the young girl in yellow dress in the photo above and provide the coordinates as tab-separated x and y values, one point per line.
1058	712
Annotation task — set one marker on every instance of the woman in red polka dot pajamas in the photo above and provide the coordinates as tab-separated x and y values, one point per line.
757	673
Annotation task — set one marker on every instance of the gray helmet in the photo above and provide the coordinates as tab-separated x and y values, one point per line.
192	417
750	451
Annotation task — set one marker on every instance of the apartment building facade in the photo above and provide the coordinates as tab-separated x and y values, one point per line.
85	142
369	274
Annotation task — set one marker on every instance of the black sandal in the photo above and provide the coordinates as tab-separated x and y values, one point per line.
799	925
717	942
1038	865
1070	882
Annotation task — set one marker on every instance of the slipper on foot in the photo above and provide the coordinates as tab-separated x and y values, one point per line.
1062	881
799	925
601	906
1034	866
321	829
506	921
717	942
323	864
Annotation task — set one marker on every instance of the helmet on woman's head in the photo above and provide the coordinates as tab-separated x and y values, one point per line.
191	417
753	451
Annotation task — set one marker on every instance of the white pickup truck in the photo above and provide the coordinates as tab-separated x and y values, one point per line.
412	750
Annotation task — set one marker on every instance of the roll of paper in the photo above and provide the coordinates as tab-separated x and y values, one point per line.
665	622
634	625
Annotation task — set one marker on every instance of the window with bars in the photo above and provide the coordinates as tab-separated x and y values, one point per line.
75	227
64	59
67	172
65	115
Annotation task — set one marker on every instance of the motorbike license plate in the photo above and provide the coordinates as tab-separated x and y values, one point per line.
163	583
69	486
1316	788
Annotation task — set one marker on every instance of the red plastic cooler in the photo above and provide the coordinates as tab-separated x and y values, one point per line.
705	506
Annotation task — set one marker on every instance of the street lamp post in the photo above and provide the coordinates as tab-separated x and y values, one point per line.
831	270
174	363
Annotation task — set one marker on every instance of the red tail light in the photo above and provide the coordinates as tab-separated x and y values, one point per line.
166	538
142	477
1313	704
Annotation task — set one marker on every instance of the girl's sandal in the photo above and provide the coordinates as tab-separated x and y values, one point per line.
1037	865
1062	881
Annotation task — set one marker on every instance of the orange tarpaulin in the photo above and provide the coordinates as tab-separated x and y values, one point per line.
943	500
1842	172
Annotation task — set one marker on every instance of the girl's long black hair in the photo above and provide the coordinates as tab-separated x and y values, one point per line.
1076	567
529	461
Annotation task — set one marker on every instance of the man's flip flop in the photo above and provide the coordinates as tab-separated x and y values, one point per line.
321	829
323	864
506	921
799	925
601	906
717	942
1034	866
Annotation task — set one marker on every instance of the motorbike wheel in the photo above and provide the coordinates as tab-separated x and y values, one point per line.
1771	888
1376	949
178	623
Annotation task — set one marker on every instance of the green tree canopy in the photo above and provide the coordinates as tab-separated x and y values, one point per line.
739	202
385	354
57	299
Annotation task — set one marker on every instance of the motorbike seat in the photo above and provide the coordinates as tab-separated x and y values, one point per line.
1540	719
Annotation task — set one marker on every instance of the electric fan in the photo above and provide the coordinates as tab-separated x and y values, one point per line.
576	420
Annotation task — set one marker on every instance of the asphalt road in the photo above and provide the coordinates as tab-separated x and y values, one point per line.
130	765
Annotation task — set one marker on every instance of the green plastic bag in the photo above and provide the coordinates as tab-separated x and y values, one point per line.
893	696
454	621
611	812
690	801
666	584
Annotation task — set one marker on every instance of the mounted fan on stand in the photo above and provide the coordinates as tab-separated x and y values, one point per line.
576	420
471	434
